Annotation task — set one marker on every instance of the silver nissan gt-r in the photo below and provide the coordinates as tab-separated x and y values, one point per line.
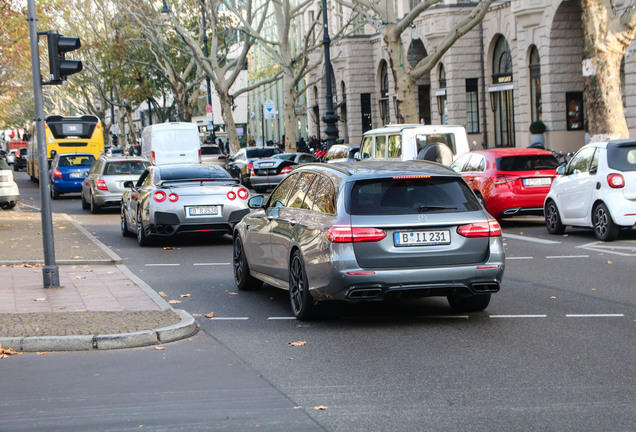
170	200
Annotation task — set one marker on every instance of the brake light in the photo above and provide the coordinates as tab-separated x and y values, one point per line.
411	177
159	196
199	155
231	195
616	181
348	234
286	170
57	173
152	157
101	185
250	168
480	229
173	197
243	194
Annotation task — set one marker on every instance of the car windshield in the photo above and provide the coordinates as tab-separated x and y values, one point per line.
527	163
193	172
210	150
261	152
622	157
125	167
411	196
76	161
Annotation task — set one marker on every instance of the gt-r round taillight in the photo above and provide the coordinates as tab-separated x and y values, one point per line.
286	170
615	180
159	196
243	194
173	197
231	195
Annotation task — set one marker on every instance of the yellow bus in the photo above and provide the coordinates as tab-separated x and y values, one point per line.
65	135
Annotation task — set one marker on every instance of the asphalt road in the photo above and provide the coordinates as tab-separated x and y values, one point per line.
555	350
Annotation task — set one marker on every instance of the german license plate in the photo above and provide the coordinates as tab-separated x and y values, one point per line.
421	238
77	175
266	164
203	211
537	181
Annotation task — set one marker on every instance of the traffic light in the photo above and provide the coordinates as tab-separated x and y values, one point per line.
58	47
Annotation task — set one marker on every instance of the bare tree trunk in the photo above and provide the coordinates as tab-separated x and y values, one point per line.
289	112
228	119
607	34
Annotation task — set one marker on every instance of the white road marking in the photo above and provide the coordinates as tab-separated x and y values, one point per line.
594	315
530	239
281	318
567	256
601	247
230	318
211	264
162	265
519	316
519	258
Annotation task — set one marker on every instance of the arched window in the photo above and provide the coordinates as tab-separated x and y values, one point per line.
501	94
534	69
385	115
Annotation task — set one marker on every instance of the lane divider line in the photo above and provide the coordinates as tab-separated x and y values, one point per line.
519	316
281	318
530	239
229	318
594	315
519	258
567	256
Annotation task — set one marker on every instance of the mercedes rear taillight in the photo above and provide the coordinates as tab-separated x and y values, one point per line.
101	185
480	229
349	234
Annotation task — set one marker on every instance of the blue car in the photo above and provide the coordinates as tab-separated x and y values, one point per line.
67	173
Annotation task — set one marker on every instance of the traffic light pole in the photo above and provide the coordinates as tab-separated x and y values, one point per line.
50	271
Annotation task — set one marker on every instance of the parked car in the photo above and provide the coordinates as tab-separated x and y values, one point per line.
267	173
170	200
212	154
341	153
367	231
9	192
11	156
509	181
104	184
597	189
20	160
240	165
67	172
437	143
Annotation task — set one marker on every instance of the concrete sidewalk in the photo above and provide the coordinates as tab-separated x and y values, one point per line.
100	304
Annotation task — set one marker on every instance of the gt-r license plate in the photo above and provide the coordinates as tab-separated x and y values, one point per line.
537	181
203	210
421	238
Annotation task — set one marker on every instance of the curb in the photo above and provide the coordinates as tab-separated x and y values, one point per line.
187	327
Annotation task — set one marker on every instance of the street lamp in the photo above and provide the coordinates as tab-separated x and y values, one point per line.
330	118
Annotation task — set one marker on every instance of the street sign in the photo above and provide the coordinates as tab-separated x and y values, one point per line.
269	110
208	109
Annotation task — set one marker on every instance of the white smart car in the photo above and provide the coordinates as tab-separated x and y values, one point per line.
596	189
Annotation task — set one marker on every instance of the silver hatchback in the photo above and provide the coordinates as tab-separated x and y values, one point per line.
370	230
104	184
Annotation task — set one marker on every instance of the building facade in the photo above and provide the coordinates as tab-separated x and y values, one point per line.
521	64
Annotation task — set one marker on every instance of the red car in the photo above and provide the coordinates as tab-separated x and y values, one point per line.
509	181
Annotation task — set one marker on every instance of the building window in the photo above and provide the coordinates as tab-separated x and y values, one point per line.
535	85
502	96
574	103
472	106
385	114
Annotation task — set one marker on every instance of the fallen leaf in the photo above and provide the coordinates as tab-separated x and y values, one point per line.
210	315
160	348
610	262
174	301
168	248
290	358
232	293
61	227
321	408
40	299
553	297
196	315
163	294
184	295
6	352
83	294
298	343
298	407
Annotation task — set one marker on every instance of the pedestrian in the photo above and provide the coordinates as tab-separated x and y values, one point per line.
221	145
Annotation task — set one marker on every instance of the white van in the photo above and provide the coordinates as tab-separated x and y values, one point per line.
415	141
171	143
